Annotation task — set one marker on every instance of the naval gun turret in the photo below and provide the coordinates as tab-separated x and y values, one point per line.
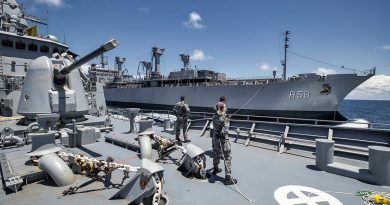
54	85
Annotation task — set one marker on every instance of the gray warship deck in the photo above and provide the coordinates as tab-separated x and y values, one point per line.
259	172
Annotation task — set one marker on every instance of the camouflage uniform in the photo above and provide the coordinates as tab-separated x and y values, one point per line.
182	112
221	138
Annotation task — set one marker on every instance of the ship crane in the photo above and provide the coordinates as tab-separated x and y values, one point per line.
138	71
146	68
119	61
156	55
103	61
186	61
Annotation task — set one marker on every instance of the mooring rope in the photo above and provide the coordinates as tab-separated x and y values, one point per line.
247	102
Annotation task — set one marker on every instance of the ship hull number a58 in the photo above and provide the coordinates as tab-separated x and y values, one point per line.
299	94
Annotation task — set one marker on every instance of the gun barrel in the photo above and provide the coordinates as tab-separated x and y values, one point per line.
111	44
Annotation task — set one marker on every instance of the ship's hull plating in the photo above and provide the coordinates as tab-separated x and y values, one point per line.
312	97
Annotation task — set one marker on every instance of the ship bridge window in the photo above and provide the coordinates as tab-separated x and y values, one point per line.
32	47
7	43
44	49
55	50
20	45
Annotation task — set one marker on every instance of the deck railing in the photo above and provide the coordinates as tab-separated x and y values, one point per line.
292	135
307	121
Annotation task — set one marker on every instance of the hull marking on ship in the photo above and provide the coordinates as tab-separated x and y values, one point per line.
299	95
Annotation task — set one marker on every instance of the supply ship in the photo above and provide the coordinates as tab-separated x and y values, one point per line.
305	95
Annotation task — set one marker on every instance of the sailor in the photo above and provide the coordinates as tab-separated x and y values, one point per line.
182	112
220	142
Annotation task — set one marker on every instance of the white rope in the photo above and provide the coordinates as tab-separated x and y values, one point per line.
251	201
247	102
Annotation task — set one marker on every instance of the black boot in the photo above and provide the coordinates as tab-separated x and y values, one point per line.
229	180
186	138
217	170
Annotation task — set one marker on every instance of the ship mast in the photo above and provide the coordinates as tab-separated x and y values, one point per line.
284	62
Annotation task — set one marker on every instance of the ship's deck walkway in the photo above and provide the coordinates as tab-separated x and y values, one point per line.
260	173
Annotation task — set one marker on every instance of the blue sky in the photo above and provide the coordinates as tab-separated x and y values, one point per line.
238	37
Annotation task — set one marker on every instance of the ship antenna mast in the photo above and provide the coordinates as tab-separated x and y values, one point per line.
284	62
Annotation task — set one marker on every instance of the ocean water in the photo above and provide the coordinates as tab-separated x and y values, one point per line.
374	111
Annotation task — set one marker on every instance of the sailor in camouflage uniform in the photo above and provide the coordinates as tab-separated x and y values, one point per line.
182	112
220	142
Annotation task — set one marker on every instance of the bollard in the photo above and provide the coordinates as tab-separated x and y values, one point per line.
145	127
174	127
324	153
167	124
132	124
131	114
379	164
